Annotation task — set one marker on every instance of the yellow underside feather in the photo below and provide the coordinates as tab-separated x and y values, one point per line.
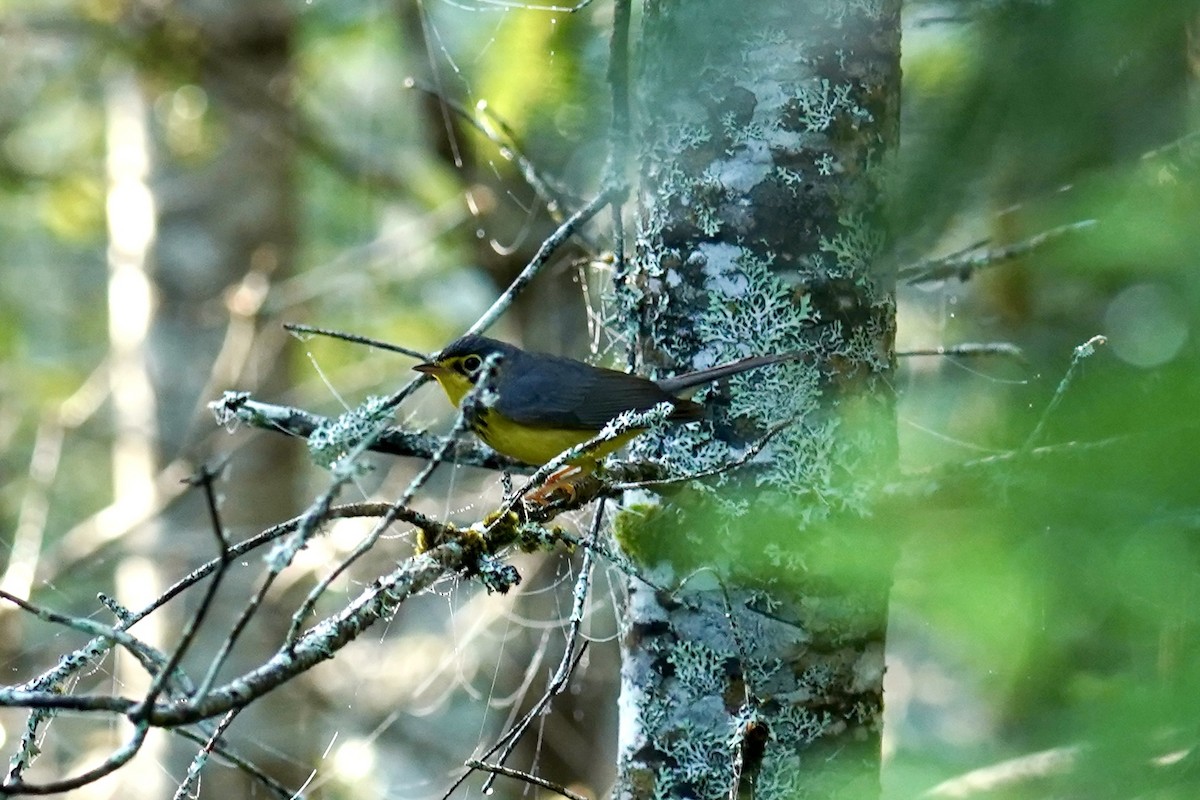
522	442
539	445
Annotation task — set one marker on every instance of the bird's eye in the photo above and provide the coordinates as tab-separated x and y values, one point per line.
471	364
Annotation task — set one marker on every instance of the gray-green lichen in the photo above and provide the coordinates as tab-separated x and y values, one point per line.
737	236
764	126
337	443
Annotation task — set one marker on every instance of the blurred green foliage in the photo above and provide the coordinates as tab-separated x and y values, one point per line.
1060	593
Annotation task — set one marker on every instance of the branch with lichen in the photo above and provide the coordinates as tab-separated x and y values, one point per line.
236	408
472	551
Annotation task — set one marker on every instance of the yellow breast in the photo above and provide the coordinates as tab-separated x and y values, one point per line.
539	445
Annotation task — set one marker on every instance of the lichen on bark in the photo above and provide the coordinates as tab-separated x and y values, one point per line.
762	135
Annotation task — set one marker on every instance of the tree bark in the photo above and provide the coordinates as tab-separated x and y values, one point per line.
753	642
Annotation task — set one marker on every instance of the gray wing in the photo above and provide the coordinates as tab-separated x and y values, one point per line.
570	394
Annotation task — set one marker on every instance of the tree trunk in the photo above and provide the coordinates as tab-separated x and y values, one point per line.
753	648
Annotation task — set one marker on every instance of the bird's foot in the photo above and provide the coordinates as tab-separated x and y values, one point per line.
564	488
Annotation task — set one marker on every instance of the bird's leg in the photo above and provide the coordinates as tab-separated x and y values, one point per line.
560	484
571	486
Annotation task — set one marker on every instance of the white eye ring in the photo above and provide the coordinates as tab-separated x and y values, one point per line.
472	364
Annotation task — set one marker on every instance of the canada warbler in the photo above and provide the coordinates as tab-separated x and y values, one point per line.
546	404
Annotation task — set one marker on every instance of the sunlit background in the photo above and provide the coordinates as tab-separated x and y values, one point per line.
179	179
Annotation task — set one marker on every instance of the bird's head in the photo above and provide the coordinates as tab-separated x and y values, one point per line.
458	367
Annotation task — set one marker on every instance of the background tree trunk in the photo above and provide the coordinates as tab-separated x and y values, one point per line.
224	192
753	650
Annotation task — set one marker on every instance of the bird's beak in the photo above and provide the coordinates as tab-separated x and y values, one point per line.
429	368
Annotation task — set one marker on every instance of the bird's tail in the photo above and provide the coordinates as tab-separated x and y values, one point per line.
692	380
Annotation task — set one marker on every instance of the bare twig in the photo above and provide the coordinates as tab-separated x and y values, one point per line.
310	330
212	742
204	479
343	469
186	786
1079	354
618	83
969	349
963	265
508	742
348	510
318	644
281	556
27	538
974	480
541	257
1181	144
740	461
110	765
618	154
554	197
150	658
369	421
533	780
48	682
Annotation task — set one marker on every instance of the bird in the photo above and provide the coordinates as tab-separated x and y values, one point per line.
546	404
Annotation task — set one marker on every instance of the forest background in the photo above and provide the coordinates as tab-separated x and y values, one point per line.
1052	144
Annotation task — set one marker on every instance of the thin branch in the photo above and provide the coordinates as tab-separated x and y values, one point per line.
1010	774
30	531
554	198
110	765
223	750
963	265
318	644
282	555
618	86
1180	144
204	479
484	120
969	349
566	665
349	510
959	482
310	330
235	407
618	149
1081	352
150	658
533	780
313	518
28	747
72	662
740	461
186	786
547	249
482	387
